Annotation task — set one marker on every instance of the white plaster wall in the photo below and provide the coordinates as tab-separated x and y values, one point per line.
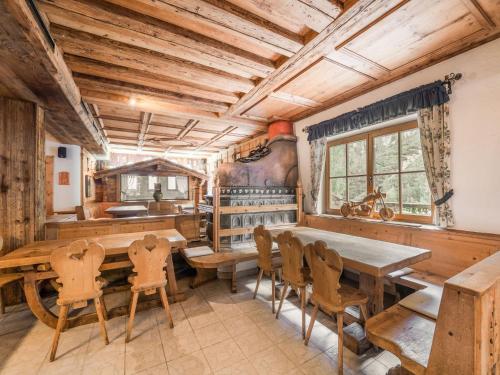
66	197
475	124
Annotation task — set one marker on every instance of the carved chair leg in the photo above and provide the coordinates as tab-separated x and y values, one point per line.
261	272
273	278
340	331
166	306
282	297
61	322
99	309
303	308
133	306
311	324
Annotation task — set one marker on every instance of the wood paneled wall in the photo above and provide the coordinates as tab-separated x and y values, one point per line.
22	173
452	251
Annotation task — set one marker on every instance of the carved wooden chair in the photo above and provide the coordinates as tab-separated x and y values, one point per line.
6	279
265	261
328	294
295	274
149	257
77	268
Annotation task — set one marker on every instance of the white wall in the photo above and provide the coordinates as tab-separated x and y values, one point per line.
475	127
66	197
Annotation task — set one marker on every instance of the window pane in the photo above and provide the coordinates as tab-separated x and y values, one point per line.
337	161
388	184
386	153
356	188
171	183
411	151
416	194
356	156
337	192
140	187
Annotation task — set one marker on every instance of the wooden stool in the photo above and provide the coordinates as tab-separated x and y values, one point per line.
326	268
265	261
77	267
294	272
149	257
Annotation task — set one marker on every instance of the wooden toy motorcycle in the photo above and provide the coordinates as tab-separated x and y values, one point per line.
367	205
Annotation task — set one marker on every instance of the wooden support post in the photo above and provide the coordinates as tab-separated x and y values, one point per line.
197	184
300	212
216	214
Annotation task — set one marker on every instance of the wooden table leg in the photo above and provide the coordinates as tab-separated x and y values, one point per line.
374	288
234	285
35	302
177	295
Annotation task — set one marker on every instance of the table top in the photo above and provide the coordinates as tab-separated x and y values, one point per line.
125	209
373	257
39	252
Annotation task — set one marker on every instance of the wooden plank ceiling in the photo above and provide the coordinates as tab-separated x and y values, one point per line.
200	75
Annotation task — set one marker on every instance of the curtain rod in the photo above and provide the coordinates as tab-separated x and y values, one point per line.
449	80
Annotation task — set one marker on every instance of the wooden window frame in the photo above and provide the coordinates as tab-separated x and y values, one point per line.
369	137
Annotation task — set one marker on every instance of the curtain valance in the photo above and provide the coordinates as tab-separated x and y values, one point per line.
395	106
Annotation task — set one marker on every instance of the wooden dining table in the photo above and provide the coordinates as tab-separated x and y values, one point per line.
372	259
127	211
33	261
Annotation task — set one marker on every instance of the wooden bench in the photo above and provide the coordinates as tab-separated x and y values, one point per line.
465	337
206	262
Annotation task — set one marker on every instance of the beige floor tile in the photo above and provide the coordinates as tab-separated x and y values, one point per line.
239	324
252	342
272	361
224	307
278	331
224	354
176	345
263	314
388	359
352	360
297	352
374	368
240	368
320	365
246	303
202	317
156	370
62	365
211	334
194	363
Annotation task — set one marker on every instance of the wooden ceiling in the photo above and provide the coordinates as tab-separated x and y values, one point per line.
200	75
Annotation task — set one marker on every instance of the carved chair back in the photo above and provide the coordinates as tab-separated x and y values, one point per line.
264	242
292	254
77	267
149	257
326	268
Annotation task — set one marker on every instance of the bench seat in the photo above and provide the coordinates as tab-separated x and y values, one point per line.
405	333
425	301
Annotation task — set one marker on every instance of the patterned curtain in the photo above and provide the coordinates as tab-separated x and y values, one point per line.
318	148
435	137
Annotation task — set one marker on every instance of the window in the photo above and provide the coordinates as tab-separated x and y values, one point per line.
389	159
135	187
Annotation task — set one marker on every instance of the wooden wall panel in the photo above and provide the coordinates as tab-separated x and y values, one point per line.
22	173
452	250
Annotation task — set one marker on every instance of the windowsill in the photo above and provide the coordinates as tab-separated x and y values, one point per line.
378	221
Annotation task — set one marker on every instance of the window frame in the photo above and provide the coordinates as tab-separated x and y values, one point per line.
369	136
158	176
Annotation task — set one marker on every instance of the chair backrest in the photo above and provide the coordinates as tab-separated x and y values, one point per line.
326	267
162	208
292	254
149	257
264	242
77	267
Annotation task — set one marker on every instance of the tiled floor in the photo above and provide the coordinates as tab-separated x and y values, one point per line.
215	332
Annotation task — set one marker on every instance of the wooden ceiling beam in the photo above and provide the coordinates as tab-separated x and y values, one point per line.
123	101
217	137
332	8
120	73
219	17
119	24
359	14
189	126
108	51
144	126
146	93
